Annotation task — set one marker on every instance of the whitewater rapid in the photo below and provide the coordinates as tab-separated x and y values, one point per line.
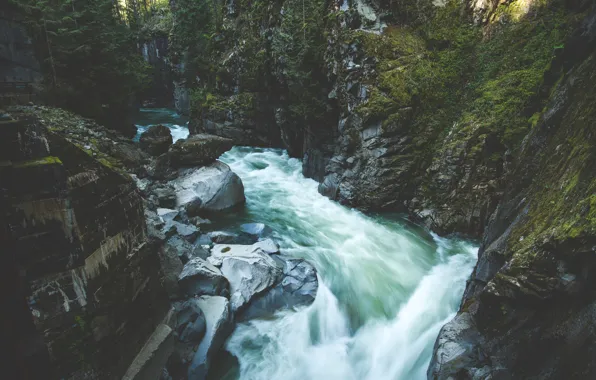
385	287
149	117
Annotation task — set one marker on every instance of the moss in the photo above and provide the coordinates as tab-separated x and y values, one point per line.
49	160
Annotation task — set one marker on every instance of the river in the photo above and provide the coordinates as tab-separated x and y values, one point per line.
385	286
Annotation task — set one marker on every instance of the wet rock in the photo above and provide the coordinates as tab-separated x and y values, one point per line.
166	197
156	140
258	230
201	149
223	237
218	320
190	322
211	188
298	287
249	270
186	231
199	277
198	221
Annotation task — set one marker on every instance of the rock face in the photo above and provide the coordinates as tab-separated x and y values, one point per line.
528	307
249	269
156	140
209	189
80	233
198	150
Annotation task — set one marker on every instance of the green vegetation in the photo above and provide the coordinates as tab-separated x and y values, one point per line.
89	55
49	160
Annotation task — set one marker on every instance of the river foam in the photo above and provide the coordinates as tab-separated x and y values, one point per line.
386	287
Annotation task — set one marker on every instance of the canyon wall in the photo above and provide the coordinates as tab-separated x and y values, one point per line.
92	277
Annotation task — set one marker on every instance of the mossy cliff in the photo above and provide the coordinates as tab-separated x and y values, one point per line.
417	107
529	306
78	236
473	117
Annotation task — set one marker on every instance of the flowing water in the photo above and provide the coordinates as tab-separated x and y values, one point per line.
167	117
385	286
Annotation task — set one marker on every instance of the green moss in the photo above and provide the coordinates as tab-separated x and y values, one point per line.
49	160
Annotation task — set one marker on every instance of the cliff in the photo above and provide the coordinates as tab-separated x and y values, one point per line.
475	117
418	108
81	248
528	307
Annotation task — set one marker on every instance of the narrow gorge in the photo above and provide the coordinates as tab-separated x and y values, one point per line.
313	189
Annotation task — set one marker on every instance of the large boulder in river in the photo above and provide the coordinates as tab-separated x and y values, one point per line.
156	140
211	188
250	270
298	287
218	320
199	277
201	149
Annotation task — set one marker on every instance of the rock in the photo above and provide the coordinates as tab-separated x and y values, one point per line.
198	221
249	270
154	226
199	277
186	231
161	169
258	230
183	248
267	246
201	149
216	186
298	288
219	325
190	324
156	140
166	197
149	362
171	266
130	155
223	237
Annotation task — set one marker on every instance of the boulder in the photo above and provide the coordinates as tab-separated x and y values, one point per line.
183	248
297	288
218	327
258	230
201	149
156	140
190	322
130	155
186	231
166	197
199	277
249	270
224	237
211	188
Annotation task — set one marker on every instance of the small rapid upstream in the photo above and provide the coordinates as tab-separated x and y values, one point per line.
385	287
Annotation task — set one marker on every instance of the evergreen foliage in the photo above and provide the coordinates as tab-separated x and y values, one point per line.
89	54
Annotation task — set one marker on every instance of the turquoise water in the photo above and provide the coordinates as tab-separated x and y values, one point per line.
153	116
386	286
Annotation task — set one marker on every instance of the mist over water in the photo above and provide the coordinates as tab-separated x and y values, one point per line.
385	287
